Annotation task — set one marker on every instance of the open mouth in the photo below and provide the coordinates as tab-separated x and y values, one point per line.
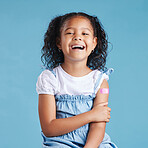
79	47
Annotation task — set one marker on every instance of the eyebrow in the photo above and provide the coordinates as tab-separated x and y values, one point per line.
73	28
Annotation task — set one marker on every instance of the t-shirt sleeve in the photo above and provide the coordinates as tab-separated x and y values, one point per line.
46	83
103	75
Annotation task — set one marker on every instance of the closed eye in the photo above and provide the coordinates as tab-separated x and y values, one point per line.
85	33
69	33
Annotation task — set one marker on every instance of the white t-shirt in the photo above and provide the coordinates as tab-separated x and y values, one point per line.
64	83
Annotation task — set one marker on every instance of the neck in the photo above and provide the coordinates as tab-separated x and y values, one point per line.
76	69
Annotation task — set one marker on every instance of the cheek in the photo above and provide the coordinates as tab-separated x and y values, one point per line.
90	42
64	42
65	39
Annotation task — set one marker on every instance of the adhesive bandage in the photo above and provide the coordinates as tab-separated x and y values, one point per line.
104	90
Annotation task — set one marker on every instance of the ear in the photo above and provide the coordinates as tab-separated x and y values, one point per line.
95	42
58	43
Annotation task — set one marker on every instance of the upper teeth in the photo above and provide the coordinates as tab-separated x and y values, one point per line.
77	46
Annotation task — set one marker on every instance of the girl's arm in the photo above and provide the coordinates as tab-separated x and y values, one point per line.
56	127
97	130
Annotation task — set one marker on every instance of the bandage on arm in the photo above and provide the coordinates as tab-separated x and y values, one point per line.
104	90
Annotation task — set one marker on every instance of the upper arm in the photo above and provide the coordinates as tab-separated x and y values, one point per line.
101	98
47	109
46	87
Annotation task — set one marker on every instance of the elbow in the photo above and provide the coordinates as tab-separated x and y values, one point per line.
48	130
47	133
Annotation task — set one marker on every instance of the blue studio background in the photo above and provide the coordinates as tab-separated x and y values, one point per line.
22	27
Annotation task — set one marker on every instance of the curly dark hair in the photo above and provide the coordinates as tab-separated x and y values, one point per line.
52	56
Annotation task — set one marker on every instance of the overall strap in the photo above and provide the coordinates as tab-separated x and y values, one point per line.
52	71
108	71
98	81
49	69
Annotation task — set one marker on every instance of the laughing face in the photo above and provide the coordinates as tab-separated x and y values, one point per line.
77	39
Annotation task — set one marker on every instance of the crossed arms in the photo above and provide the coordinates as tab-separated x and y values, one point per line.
97	117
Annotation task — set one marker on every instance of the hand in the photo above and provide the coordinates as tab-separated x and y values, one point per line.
101	113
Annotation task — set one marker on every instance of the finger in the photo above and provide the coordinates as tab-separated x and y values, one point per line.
109	109
109	116
107	120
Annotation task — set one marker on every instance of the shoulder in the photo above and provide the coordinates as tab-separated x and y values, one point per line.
47	76
101	78
47	73
104	84
103	74
46	82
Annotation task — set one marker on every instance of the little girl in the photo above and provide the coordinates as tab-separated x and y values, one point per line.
73	89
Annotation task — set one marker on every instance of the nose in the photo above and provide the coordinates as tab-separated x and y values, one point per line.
77	38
